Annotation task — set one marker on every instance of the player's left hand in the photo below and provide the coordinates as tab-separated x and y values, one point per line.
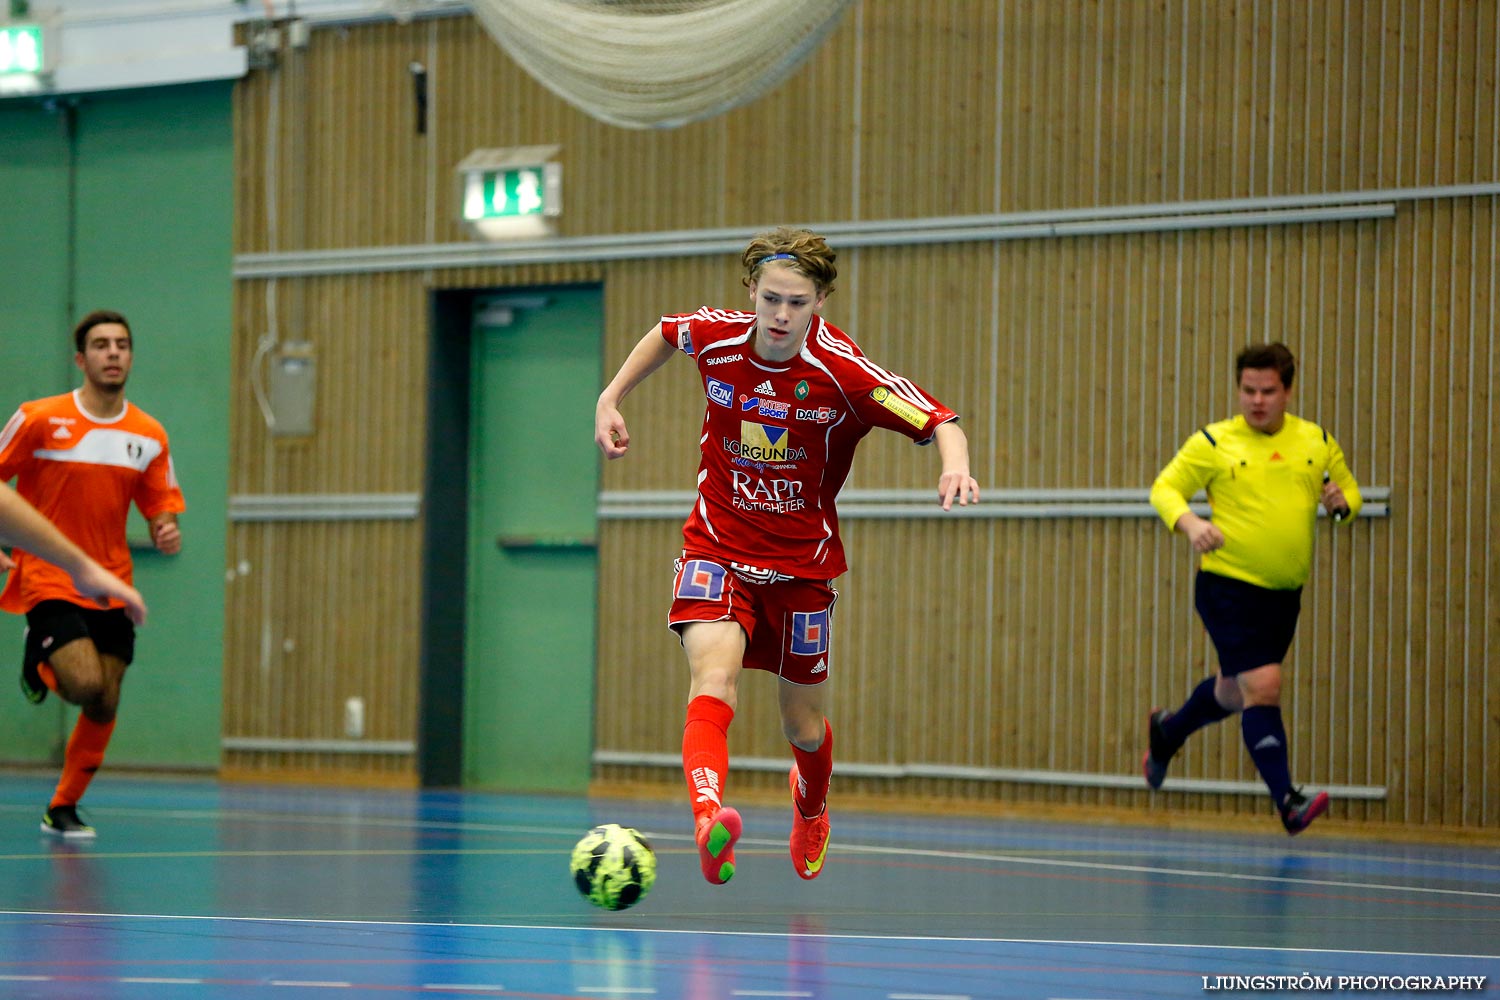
167	537
960	485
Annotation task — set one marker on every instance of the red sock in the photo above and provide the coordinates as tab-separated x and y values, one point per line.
84	755
705	752
814	768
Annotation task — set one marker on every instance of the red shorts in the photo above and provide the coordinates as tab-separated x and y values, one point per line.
788	621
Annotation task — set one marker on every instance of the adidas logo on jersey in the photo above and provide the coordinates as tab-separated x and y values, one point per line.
62	434
821	667
765	389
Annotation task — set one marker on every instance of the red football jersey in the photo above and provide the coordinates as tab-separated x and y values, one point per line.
83	472
779	437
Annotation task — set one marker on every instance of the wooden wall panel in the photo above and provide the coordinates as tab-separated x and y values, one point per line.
1077	363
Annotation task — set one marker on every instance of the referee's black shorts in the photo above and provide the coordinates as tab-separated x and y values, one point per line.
1251	626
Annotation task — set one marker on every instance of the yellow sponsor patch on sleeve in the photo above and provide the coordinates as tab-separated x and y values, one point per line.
900	407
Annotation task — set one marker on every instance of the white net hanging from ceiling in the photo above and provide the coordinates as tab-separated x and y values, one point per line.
658	63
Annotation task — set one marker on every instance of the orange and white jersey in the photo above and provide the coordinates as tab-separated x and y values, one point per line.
83	472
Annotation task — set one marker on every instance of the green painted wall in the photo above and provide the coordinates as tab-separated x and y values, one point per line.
533	474
149	197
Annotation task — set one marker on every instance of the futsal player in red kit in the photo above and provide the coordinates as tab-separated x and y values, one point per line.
789	398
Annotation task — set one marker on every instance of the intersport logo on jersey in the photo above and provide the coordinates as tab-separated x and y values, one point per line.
765	407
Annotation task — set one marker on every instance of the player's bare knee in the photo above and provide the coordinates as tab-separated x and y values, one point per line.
716	682
1261	686
802	734
1228	694
86	690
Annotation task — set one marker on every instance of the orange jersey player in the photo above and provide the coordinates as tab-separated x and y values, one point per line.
81	459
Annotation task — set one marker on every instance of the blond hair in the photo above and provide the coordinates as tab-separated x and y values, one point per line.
803	251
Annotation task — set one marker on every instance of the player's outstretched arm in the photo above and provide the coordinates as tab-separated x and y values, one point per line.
955	482
23	525
610	433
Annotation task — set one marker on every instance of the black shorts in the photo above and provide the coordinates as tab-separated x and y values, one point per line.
53	624
1251	626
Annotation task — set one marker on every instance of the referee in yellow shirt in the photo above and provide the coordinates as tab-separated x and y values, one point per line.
1265	471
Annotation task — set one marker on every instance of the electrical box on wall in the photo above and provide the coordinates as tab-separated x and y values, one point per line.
294	382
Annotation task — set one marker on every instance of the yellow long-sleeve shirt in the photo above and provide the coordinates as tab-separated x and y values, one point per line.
1264	491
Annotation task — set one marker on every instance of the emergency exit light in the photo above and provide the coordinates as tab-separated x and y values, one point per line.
511	193
20	49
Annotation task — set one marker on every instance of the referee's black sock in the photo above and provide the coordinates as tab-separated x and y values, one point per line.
1201	709
1266	740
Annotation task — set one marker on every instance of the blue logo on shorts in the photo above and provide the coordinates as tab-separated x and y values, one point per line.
701	580
810	632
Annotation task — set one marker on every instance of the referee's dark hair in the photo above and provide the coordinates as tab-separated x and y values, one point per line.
1277	356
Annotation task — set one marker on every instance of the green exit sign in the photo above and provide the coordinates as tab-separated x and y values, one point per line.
511	192
20	49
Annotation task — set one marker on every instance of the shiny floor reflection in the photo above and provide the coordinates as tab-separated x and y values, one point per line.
203	891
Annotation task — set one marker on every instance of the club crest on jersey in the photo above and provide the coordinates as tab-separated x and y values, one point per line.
764	443
900	407
701	580
802	390
721	392
765	407
810	632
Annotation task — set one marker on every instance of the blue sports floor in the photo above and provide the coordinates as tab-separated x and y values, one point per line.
197	890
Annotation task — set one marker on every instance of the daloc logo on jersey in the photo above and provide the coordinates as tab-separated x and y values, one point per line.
701	580
721	392
810	632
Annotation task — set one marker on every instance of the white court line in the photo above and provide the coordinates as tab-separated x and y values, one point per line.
160	982
927	996
490	987
25	979
616	989
777	935
769	993
312	983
